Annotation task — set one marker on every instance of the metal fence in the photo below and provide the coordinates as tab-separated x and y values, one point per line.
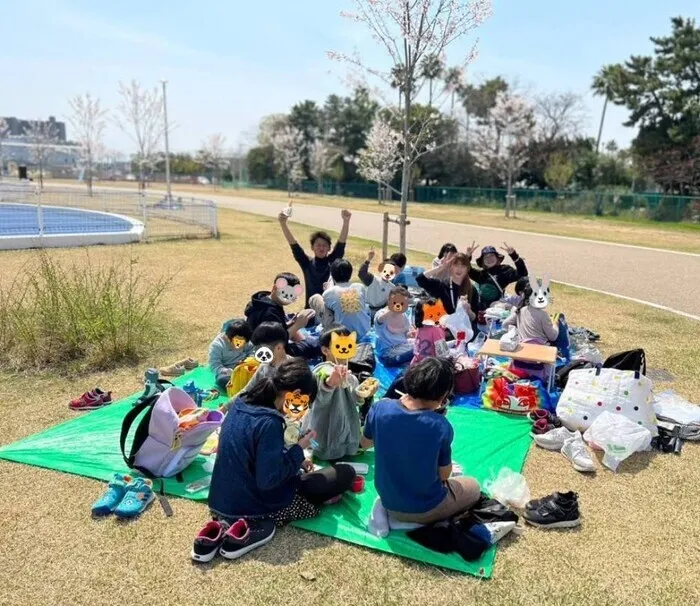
162	218
652	206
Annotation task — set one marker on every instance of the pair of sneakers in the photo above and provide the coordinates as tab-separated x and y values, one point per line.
126	497
231	541
570	444
557	510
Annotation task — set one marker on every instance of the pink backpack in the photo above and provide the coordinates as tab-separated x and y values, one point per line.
160	447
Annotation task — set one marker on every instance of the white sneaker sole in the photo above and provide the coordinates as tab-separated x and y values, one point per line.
233	555
204	558
579	468
564	524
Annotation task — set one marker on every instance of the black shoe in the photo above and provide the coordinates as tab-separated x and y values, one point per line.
208	540
244	536
556	513
563	496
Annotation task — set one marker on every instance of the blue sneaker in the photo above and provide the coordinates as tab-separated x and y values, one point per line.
139	495
114	494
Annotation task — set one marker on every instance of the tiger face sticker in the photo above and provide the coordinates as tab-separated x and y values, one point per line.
343	347
238	342
296	404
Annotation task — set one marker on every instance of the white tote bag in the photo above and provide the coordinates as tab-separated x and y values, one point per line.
589	392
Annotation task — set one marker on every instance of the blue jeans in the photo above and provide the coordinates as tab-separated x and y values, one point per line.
397	355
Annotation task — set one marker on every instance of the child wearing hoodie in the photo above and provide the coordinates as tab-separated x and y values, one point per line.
334	414
268	306
229	349
492	276
378	287
393	328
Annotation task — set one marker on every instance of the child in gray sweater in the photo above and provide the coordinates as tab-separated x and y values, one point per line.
334	414
229	349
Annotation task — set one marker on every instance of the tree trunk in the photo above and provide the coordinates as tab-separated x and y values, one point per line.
510	188
406	173
320	187
89	174
600	128
41	174
430	92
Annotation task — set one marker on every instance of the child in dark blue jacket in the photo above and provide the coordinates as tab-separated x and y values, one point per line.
255	475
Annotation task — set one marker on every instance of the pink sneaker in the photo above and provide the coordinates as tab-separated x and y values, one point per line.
91	400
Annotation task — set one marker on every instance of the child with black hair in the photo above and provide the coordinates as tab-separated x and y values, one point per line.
394	348
334	414
255	476
343	303
317	268
229	349
268	306
445	250
378	287
430	336
398	260
412	476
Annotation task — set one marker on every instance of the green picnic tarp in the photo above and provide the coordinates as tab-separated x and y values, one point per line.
484	443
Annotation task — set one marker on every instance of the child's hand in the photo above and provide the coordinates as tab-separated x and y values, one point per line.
305	440
307	465
370	255
411	334
337	377
345	214
304	317
283	217
465	303
507	248
471	249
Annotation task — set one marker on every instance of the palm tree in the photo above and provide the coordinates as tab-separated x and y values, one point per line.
453	81
398	78
431	69
603	85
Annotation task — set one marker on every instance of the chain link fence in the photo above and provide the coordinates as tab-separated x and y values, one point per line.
27	210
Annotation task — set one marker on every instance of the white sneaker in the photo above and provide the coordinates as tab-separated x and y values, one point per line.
554	439
575	450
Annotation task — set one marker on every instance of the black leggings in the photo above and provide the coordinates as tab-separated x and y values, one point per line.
316	488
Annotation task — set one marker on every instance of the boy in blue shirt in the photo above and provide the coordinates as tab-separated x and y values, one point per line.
413	449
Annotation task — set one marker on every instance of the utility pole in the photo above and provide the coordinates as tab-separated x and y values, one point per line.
167	145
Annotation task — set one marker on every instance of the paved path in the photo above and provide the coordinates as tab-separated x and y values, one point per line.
660	278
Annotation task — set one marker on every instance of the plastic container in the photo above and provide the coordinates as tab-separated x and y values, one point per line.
358	485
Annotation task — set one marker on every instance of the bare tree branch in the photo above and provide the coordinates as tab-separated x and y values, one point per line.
88	121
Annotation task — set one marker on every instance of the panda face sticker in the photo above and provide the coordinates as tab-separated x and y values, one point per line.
263	355
287	294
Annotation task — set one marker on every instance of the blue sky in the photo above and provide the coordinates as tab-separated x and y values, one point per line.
229	63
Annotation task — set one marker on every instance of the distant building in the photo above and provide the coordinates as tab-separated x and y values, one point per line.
62	157
18	128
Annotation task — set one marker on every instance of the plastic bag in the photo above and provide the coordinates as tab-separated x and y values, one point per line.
509	487
458	322
617	437
475	346
675	408
511	340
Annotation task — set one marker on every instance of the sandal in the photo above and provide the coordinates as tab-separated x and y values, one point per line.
139	495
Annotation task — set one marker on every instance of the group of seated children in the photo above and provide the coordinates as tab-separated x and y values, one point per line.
259	481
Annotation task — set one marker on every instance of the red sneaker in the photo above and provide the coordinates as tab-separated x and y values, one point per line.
91	400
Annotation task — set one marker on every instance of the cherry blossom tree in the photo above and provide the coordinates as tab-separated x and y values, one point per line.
408	32
88	122
213	154
140	116
41	136
322	155
381	157
288	144
500	144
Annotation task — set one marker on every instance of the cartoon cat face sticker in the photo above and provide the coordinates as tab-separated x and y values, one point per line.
433	312
539	299
387	271
238	342
287	294
343	347
397	303
296	404
263	355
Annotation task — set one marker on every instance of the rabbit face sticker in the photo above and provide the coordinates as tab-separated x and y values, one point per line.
539	299
344	347
263	355
387	271
287	294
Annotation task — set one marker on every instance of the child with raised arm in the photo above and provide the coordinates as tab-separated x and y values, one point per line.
317	269
378	287
492	276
